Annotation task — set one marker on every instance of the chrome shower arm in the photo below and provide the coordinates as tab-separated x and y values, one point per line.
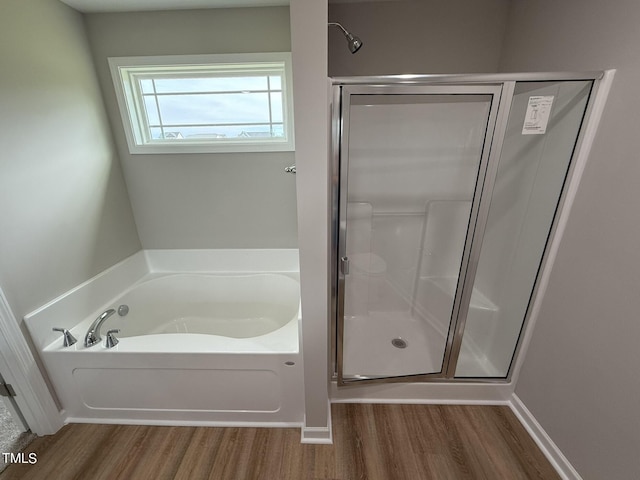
336	24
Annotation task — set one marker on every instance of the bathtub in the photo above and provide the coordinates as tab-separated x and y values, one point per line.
197	346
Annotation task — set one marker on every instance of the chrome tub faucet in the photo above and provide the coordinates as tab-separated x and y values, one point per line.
93	335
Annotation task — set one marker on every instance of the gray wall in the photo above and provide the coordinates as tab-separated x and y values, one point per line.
418	36
311	98
580	375
64	209
242	200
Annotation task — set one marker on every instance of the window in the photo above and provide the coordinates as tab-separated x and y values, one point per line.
205	103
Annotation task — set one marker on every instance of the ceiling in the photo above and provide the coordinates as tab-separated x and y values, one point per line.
94	6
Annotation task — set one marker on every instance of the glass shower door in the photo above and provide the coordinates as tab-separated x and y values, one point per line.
531	173
412	167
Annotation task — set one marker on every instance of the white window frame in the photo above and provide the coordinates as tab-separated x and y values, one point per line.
125	72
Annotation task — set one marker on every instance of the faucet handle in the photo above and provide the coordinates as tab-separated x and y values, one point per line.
68	339
112	340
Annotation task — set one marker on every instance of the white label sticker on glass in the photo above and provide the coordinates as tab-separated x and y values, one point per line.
537	117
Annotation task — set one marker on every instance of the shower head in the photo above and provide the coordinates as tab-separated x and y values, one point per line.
354	42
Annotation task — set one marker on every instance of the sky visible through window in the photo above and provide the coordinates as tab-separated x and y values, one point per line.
221	107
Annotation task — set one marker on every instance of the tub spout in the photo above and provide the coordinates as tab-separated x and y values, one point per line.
93	335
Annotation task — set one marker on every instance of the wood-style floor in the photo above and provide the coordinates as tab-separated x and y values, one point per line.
381	442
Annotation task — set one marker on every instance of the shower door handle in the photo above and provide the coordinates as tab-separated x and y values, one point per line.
344	265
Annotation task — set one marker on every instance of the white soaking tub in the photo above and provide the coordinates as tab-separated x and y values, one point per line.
255	313
195	348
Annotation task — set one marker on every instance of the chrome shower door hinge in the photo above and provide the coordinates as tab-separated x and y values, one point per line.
344	265
7	390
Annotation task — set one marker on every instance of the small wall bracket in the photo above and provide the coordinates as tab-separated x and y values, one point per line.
6	390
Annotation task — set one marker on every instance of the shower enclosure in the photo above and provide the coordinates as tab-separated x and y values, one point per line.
446	193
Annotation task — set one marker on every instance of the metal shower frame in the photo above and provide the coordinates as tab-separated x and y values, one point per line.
506	84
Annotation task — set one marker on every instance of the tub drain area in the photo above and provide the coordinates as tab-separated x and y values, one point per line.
399	343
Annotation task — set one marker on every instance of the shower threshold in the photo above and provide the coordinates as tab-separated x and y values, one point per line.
373	345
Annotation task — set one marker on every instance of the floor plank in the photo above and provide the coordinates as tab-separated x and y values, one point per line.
371	442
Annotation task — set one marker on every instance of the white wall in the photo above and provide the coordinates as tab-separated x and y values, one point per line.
241	200
418	36
64	208
580	375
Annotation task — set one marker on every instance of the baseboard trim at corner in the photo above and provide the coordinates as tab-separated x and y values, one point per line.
543	440
318	435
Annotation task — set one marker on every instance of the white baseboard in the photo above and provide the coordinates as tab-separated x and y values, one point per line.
184	423
318	435
426	392
543	440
